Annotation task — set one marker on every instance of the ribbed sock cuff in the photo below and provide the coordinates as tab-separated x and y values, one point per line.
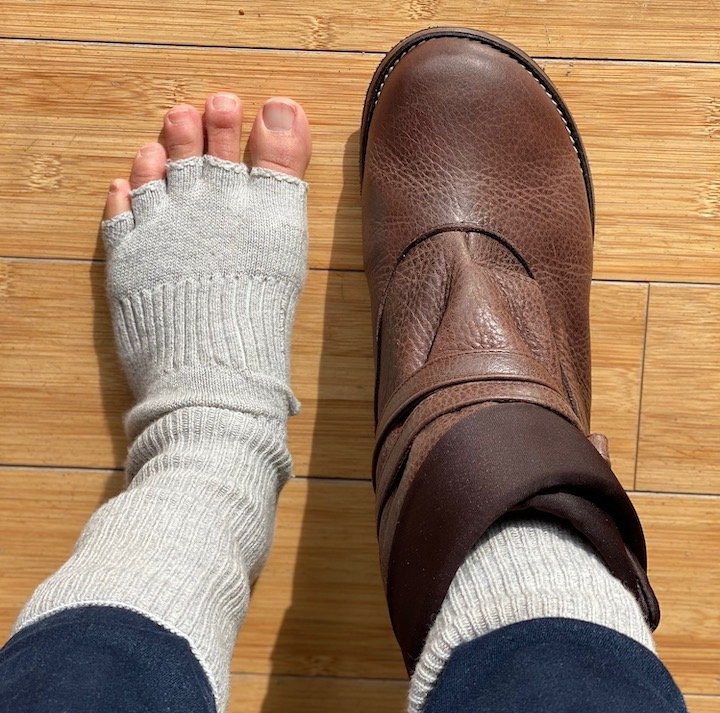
183	544
554	664
521	570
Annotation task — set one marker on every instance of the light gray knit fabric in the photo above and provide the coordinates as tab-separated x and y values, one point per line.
203	278
520	570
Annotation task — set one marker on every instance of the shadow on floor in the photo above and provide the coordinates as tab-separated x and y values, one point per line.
291	649
114	390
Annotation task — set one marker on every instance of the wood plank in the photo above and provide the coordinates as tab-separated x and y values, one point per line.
591	28
321	588
333	372
43	512
256	693
703	704
651	131
64	394
683	535
679	446
617	320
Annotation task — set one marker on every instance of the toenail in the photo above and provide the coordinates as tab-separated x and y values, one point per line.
115	186
178	116
224	102
145	151
278	116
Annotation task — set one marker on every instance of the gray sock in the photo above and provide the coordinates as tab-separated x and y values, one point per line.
520	570
203	278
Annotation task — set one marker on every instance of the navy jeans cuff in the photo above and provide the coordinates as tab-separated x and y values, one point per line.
554	666
101	658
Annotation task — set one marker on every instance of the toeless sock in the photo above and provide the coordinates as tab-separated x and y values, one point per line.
524	569
203	278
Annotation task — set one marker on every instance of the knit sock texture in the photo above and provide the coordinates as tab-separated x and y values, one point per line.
203	279
521	570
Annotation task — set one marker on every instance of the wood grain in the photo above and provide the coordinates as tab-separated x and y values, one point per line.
683	534
680	419
64	395
76	121
703	704
256	693
617	320
631	29
321	588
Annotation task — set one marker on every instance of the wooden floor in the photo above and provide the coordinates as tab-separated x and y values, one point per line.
82	84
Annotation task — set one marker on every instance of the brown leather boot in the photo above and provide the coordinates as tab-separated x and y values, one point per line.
478	232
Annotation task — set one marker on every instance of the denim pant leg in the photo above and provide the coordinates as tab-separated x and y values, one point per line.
100	658
554	666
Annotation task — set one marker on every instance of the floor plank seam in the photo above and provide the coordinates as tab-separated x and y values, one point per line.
66	468
336	479
640	386
339	50
676	494
599	280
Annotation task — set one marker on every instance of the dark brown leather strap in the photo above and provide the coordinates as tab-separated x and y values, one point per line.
457	368
453	398
504	458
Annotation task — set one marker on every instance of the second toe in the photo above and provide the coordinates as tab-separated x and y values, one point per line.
183	130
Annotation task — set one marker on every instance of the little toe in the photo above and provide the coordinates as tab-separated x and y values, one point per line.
118	199
223	119
183	132
149	165
280	137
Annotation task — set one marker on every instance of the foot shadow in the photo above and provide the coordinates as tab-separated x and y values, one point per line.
336	590
114	390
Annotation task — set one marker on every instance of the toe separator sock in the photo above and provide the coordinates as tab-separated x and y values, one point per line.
203	279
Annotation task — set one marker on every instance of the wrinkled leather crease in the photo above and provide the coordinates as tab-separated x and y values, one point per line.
486	341
477	238
451	228
489	334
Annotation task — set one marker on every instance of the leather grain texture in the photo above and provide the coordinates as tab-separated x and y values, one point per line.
478	238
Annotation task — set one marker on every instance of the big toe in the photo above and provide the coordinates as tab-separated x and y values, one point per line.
280	138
